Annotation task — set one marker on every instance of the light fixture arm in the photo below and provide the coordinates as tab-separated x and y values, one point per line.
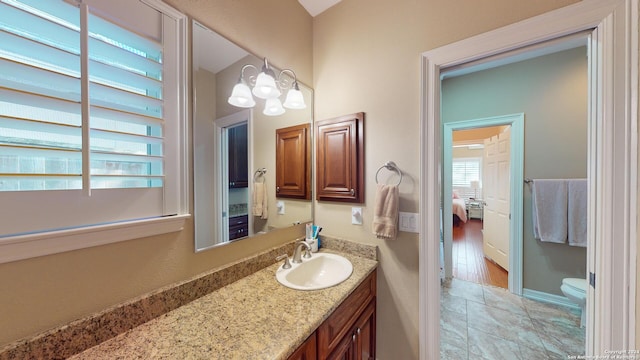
284	83
252	79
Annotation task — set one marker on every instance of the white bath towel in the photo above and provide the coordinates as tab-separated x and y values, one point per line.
577	212
385	217
550	210
260	201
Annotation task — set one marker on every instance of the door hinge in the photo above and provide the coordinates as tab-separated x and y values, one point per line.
592	280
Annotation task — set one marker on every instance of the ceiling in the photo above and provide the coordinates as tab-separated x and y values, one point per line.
315	7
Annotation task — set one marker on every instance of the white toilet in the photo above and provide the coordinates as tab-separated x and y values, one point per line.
576	290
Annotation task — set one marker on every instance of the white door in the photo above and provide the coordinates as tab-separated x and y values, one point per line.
496	179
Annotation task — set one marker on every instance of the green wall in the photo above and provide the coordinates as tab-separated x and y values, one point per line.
552	93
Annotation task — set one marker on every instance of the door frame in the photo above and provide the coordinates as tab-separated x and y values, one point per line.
221	177
612	154
516	166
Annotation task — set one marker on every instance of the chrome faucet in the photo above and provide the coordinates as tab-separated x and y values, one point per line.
297	252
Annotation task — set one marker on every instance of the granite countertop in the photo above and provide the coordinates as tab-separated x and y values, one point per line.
253	318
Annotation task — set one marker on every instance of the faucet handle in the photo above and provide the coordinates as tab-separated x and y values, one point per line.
287	264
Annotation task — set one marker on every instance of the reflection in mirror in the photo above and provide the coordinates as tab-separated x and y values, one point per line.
230	145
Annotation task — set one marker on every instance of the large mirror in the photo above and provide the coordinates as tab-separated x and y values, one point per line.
234	149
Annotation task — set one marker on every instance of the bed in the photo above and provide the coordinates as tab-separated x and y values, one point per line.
459	210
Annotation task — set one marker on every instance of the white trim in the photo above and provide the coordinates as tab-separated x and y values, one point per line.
516	189
22	247
549	298
177	200
616	181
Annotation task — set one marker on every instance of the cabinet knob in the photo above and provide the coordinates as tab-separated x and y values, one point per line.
358	331
277	188
353	338
353	192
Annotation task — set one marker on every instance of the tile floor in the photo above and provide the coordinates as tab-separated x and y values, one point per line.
486	322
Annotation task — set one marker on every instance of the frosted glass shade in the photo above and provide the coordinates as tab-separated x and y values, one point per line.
241	96
294	100
265	87
273	107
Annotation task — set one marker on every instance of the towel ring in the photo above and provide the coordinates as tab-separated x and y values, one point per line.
391	166
259	173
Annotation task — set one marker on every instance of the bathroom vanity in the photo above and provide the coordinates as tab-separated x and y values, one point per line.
237	312
258	318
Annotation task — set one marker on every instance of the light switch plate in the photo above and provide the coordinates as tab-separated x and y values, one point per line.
280	207
408	222
356	215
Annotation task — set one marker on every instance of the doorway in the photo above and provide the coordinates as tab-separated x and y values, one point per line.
515	123
613	183
231	176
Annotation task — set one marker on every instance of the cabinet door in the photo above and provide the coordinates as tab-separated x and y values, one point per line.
340	159
341	324
306	351
365	332
238	157
345	350
293	163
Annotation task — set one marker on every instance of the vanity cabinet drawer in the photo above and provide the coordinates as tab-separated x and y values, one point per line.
340	327
238	227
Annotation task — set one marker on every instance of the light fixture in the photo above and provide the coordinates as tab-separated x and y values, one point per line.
268	87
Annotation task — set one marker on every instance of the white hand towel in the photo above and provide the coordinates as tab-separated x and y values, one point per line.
260	201
550	210
577	212
385	217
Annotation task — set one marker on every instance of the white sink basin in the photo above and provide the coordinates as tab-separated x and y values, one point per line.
323	270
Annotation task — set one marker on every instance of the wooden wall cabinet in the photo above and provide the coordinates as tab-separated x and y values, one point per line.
238	157
293	162
340	159
349	332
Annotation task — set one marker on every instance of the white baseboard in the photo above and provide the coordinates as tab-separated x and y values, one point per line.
549	298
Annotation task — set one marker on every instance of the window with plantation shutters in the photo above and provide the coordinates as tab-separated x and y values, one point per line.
466	170
41	104
86	103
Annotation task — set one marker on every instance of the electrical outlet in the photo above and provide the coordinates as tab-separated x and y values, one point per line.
356	215
280	207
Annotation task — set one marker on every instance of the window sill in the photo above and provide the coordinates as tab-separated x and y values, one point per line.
52	242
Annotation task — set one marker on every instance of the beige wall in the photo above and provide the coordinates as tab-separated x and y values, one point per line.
49	291
551	91
367	58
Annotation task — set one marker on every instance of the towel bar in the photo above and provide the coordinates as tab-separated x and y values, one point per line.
259	173
391	166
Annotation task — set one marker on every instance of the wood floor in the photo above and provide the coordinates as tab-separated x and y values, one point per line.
469	262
